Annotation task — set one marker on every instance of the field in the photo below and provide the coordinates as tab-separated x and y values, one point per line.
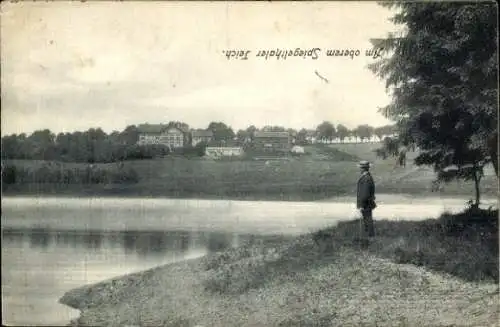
438	272
324	172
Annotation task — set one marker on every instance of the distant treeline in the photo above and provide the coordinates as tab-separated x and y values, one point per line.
92	146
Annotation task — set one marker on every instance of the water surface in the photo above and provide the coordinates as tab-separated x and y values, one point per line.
51	245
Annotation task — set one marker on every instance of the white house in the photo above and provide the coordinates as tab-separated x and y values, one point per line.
297	149
218	152
171	136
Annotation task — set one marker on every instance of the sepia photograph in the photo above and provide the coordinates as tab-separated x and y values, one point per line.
249	163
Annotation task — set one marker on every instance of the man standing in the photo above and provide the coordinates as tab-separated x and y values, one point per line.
366	197
402	156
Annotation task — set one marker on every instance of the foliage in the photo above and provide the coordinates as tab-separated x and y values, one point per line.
325	130
292	132
178	124
91	146
251	130
390	148
364	131
191	151
200	149
342	132
384	130
95	146
242	135
301	137
442	73
59	174
221	131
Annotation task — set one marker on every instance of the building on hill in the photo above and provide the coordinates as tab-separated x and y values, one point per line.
199	135
223	143
171	136
223	148
297	149
272	141
223	151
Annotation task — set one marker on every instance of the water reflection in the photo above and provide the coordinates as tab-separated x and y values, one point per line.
142	243
93	240
218	242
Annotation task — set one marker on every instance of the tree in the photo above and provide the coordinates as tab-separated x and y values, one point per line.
178	124
292	132
301	137
43	144
79	149
130	135
63	142
342	132
378	133
251	131
325	130
10	147
221	131
391	147
97	147
442	73
200	148
364	131
389	129
354	133
382	131
242	136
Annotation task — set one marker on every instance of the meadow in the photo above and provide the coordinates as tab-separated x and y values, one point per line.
325	171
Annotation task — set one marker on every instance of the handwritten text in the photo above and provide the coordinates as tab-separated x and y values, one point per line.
309	53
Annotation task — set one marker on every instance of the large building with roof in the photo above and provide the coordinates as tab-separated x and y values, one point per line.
171	136
200	135
272	141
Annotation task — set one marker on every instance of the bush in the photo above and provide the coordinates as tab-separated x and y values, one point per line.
62	175
200	148
9	174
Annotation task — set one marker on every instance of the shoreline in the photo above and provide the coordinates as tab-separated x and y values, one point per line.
285	282
89	300
86	194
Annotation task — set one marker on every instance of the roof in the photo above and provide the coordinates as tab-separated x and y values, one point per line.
182	128
272	134
202	133
157	128
150	128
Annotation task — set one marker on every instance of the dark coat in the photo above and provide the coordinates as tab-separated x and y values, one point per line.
366	192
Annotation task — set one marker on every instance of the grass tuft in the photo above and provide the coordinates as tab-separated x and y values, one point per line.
463	245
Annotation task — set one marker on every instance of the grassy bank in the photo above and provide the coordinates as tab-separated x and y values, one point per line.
439	272
323	173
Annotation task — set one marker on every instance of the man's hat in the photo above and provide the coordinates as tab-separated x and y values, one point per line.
364	164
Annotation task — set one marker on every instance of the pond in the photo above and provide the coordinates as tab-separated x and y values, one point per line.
51	245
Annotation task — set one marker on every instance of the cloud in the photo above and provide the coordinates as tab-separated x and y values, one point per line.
68	66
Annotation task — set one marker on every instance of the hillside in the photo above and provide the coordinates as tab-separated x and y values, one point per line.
324	172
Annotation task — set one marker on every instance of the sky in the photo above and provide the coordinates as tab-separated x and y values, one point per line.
70	66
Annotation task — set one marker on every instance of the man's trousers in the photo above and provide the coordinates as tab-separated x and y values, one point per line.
368	222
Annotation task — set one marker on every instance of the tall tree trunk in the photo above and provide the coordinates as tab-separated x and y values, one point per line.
477	180
493	151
